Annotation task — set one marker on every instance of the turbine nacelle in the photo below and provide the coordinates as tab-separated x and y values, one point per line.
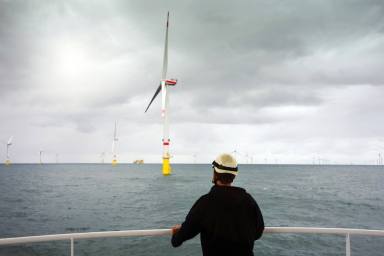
170	82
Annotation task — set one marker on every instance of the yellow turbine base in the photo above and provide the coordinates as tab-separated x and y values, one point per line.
114	162
7	162
167	169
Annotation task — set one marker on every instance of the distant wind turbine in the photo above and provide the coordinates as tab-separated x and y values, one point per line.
114	145
8	144
163	87
41	156
102	155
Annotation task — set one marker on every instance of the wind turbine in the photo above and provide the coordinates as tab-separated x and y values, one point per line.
114	144
102	155
163	87
41	155
9	143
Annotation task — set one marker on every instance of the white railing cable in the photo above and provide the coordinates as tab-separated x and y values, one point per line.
161	232
329	231
89	235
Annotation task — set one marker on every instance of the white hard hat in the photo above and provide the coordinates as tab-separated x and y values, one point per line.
225	163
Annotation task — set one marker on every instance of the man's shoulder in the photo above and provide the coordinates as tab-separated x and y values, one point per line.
200	203
245	194
249	195
203	198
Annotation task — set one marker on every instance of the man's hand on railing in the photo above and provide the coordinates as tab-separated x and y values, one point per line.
176	229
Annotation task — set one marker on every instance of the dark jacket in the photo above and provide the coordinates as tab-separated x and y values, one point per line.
228	220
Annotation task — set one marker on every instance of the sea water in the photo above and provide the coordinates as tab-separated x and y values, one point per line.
68	198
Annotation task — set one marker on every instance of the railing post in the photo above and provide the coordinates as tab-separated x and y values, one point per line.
72	247
347	245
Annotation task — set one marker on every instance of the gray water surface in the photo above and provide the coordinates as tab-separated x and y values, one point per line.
67	198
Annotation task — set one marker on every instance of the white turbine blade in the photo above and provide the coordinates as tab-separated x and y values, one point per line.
165	58
153	98
10	141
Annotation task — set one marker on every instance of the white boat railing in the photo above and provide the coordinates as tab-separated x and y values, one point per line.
347	232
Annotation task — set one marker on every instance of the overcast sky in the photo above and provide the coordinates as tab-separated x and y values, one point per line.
279	81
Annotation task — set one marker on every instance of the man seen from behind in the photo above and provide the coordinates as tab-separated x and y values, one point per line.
228	219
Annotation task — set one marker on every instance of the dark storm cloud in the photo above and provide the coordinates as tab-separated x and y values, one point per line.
249	53
224	41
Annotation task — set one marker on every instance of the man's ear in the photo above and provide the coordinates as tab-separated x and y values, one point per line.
214	178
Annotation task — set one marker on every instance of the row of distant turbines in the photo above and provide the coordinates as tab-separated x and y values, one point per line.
8	158
114	151
165	83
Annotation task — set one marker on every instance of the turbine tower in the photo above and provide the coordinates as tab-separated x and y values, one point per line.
163	87
41	156
114	144
102	155
8	159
